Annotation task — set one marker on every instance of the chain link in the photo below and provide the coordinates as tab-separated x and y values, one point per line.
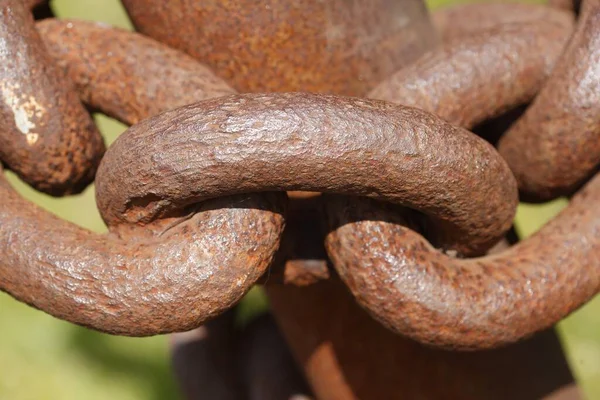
192	192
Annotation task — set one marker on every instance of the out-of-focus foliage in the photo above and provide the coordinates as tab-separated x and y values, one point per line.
44	358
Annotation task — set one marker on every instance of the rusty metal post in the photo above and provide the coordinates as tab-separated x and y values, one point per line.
333	46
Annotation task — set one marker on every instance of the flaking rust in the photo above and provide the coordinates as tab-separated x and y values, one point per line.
48	138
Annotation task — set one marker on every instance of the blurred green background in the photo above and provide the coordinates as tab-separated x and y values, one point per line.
44	358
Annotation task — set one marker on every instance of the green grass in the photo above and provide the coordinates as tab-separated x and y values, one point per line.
44	358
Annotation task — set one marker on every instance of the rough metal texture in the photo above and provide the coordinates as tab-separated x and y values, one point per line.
46	135
172	275
467	304
471	79
121	86
555	146
298	141
279	45
465	20
346	355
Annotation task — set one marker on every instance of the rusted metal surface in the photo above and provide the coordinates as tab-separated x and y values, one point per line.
299	141
152	281
475	78
464	20
172	275
467	304
555	146
346	355
120	87
46	135
186	241
331	46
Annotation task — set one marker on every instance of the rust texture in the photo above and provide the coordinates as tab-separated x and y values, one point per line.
471	79
467	304
347	355
299	141
277	45
172	276
113	69
46	135
465	20
554	147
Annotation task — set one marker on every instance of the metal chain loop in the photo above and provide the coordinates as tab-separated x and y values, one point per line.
47	138
188	192
554	147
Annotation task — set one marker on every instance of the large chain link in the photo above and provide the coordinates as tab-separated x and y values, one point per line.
192	192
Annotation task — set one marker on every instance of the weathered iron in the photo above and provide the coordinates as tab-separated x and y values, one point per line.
555	146
511	61
47	137
188	192
333	46
299	141
143	77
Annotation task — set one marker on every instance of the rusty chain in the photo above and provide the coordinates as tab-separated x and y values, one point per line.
192	192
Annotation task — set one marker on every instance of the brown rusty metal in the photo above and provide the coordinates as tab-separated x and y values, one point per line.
277	45
467	304
154	281
555	146
472	79
171	275
464	20
299	141
346	355
46	135
121	86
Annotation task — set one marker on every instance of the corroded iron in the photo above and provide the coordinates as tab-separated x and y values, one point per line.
152	281
46	135
346	355
467	304
333	46
299	141
555	146
143	77
189	195
511	61
464	20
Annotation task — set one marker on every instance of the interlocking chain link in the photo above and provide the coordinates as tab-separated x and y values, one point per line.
192	192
